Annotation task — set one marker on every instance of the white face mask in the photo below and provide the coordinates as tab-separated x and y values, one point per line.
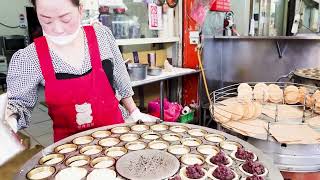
63	40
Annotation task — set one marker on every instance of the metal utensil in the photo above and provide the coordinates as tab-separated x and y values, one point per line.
154	71
137	71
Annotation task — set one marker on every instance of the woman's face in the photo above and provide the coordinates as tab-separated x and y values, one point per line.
58	17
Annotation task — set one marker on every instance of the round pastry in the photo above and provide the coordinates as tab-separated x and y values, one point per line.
116	151
316	96
160	145
101	134
171	137
179	149
51	159
310	101
192	159
219	159
253	167
102	174
197	132
257	110
291	95
109	142
275	93
78	161
254	177
249	110
90	150
260	92
238	111
230	145
303	92
222	114
74	173
215	138
65	148
135	145
244	91
222	172
102	162
207	149
193	172
191	142
242	155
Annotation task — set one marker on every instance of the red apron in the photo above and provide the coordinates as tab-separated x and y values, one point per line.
63	96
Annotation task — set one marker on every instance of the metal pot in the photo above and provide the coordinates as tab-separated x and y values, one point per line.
154	71
137	71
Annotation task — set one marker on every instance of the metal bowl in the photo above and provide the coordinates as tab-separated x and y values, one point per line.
137	71
154	71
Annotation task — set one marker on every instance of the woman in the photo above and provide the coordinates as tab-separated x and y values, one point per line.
81	68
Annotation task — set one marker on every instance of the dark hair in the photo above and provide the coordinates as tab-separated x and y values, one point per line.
74	2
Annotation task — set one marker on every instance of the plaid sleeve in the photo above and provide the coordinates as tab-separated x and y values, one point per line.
24	76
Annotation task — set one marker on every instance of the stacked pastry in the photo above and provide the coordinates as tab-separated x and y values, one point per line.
245	110
316	100
242	108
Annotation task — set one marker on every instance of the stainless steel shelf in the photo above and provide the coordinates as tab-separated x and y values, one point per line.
315	37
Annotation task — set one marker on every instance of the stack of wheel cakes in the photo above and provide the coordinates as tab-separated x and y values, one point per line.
254	106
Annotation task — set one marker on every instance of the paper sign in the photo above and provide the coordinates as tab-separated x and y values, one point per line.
155	16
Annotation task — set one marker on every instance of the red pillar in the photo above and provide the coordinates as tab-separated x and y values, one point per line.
190	59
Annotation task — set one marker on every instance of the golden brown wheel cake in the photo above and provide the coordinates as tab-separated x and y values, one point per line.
244	91
237	111
310	101
275	93
291	94
249	110
317	107
260	92
316	96
303	92
222	114
257	110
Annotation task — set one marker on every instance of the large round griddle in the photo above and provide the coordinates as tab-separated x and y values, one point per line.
273	174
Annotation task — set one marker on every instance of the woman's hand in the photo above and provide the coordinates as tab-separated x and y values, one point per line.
136	115
11	120
134	112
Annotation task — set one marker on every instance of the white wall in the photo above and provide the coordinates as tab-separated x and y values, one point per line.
9	14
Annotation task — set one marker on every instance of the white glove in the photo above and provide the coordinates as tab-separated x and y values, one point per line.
136	115
11	120
6	115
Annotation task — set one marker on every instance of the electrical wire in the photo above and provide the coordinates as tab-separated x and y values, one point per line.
199	52
317	33
12	27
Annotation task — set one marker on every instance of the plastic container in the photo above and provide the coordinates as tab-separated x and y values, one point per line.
105	17
134	30
120	24
187	118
